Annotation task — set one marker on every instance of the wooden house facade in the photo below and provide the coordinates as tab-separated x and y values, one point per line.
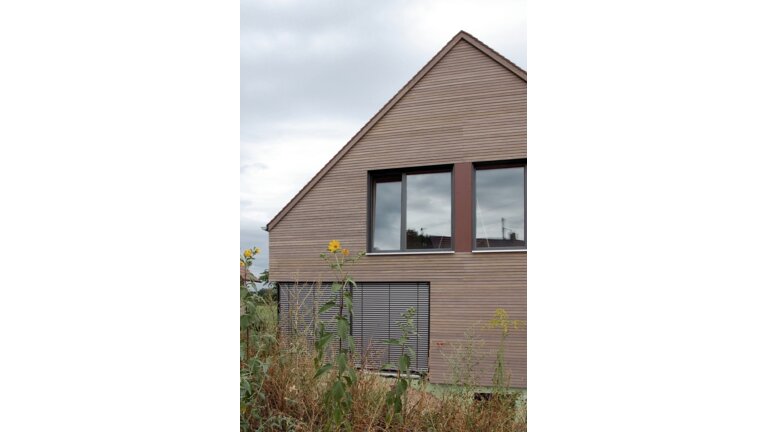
433	188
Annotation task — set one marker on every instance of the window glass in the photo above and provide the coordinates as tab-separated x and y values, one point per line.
387	216
500	207
428	211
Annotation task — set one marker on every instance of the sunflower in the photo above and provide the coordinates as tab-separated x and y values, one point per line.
334	245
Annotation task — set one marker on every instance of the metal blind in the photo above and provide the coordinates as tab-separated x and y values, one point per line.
377	310
299	307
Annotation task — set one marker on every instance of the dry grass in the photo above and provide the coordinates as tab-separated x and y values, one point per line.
292	400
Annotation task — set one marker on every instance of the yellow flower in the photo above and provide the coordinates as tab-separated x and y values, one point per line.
256	250
248	253
242	264
500	320
334	245
345	252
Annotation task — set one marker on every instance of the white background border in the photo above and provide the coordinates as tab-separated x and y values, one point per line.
119	185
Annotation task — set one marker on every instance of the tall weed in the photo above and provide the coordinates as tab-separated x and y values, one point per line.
280	389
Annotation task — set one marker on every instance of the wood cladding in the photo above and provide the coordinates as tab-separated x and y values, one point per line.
466	108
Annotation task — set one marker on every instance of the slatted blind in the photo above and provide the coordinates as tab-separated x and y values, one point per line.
299	307
371	323
377	310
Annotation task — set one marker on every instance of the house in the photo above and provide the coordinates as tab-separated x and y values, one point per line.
247	276
433	189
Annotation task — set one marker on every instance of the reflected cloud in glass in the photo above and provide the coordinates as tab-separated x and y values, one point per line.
386	232
500	207
428	211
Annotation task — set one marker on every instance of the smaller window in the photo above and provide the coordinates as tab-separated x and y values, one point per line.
500	211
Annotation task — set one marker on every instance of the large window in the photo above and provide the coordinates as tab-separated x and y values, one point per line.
500	206
378	309
411	210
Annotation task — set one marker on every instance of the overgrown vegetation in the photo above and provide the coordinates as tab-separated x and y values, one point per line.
396	397
337	398
290	384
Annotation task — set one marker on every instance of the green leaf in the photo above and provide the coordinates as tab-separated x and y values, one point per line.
392	341
343	327
326	306
405	362
323	340
388	366
402	385
341	360
335	287
338	390
326	367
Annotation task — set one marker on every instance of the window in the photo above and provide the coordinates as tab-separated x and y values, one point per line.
377	312
411	210
499	214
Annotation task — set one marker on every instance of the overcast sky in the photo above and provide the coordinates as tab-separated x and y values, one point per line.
313	73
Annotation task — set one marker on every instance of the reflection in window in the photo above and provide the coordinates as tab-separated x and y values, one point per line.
386	231
428	211
411	210
500	207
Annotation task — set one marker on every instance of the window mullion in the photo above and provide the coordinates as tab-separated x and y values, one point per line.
525	204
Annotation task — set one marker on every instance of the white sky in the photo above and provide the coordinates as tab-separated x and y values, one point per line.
313	73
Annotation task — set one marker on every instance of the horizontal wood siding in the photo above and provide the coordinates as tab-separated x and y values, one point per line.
468	108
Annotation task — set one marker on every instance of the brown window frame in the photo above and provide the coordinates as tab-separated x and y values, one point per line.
392	175
513	163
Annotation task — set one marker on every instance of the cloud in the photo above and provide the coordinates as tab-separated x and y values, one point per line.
500	195
429	203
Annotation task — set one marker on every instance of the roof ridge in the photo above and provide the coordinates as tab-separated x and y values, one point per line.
470	37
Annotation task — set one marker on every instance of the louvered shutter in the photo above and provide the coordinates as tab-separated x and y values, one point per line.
422	327
377	310
373	323
376	319
296	309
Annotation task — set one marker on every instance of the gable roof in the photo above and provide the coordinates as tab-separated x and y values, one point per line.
246	275
461	36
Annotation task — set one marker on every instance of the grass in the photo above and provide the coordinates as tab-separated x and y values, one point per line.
279	393
267	314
